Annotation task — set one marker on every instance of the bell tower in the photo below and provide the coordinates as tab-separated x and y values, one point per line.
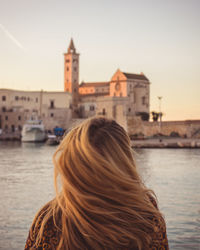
71	73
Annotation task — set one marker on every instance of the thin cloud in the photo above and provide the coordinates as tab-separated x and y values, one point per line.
12	38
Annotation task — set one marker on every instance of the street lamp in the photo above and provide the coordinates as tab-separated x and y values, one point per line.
160	114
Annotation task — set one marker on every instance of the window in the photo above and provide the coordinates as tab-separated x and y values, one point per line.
104	111
129	109
6	117
134	97
52	115
3	98
19	118
3	109
67	61
143	100
36	99
91	108
51	104
75	69
75	90
16	98
13	128
28	99
67	69
19	127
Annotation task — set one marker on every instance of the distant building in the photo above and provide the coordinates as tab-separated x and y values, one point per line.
16	107
126	94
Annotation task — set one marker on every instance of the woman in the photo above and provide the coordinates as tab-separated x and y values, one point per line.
102	203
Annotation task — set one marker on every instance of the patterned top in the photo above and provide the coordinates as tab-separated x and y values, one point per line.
51	236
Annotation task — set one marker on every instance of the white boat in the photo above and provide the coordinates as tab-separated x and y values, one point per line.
33	131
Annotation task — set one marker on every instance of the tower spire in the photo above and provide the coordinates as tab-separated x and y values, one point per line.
71	48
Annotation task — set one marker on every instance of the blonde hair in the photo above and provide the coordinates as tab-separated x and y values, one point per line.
103	203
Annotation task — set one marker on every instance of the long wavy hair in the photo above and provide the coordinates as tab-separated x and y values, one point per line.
102	202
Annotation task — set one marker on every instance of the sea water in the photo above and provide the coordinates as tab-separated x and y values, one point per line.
26	183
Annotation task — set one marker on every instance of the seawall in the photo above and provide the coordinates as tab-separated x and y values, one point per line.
166	143
185	129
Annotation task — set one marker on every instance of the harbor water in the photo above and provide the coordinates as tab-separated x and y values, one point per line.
26	183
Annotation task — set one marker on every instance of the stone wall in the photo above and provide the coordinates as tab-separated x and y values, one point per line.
188	128
61	117
12	120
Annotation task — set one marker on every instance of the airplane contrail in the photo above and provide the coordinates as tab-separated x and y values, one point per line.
12	38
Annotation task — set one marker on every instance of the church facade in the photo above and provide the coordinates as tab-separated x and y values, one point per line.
126	94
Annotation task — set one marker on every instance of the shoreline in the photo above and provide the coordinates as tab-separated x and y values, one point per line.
142	143
166	143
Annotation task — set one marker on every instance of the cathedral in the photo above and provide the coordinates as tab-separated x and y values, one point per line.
126	94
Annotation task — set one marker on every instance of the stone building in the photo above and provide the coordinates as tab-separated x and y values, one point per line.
16	107
126	94
125	97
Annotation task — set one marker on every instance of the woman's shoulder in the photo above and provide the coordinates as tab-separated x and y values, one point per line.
43	224
159	234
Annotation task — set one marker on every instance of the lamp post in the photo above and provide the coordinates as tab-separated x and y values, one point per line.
160	114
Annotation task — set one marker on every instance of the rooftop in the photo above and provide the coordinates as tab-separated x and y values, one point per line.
94	84
135	76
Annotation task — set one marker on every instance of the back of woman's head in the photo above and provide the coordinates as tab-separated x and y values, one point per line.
96	152
102	202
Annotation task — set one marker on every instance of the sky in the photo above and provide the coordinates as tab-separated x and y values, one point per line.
157	37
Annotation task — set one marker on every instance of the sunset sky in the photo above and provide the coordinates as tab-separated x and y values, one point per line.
160	38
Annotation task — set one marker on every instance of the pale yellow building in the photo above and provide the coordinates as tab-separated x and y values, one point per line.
16	107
